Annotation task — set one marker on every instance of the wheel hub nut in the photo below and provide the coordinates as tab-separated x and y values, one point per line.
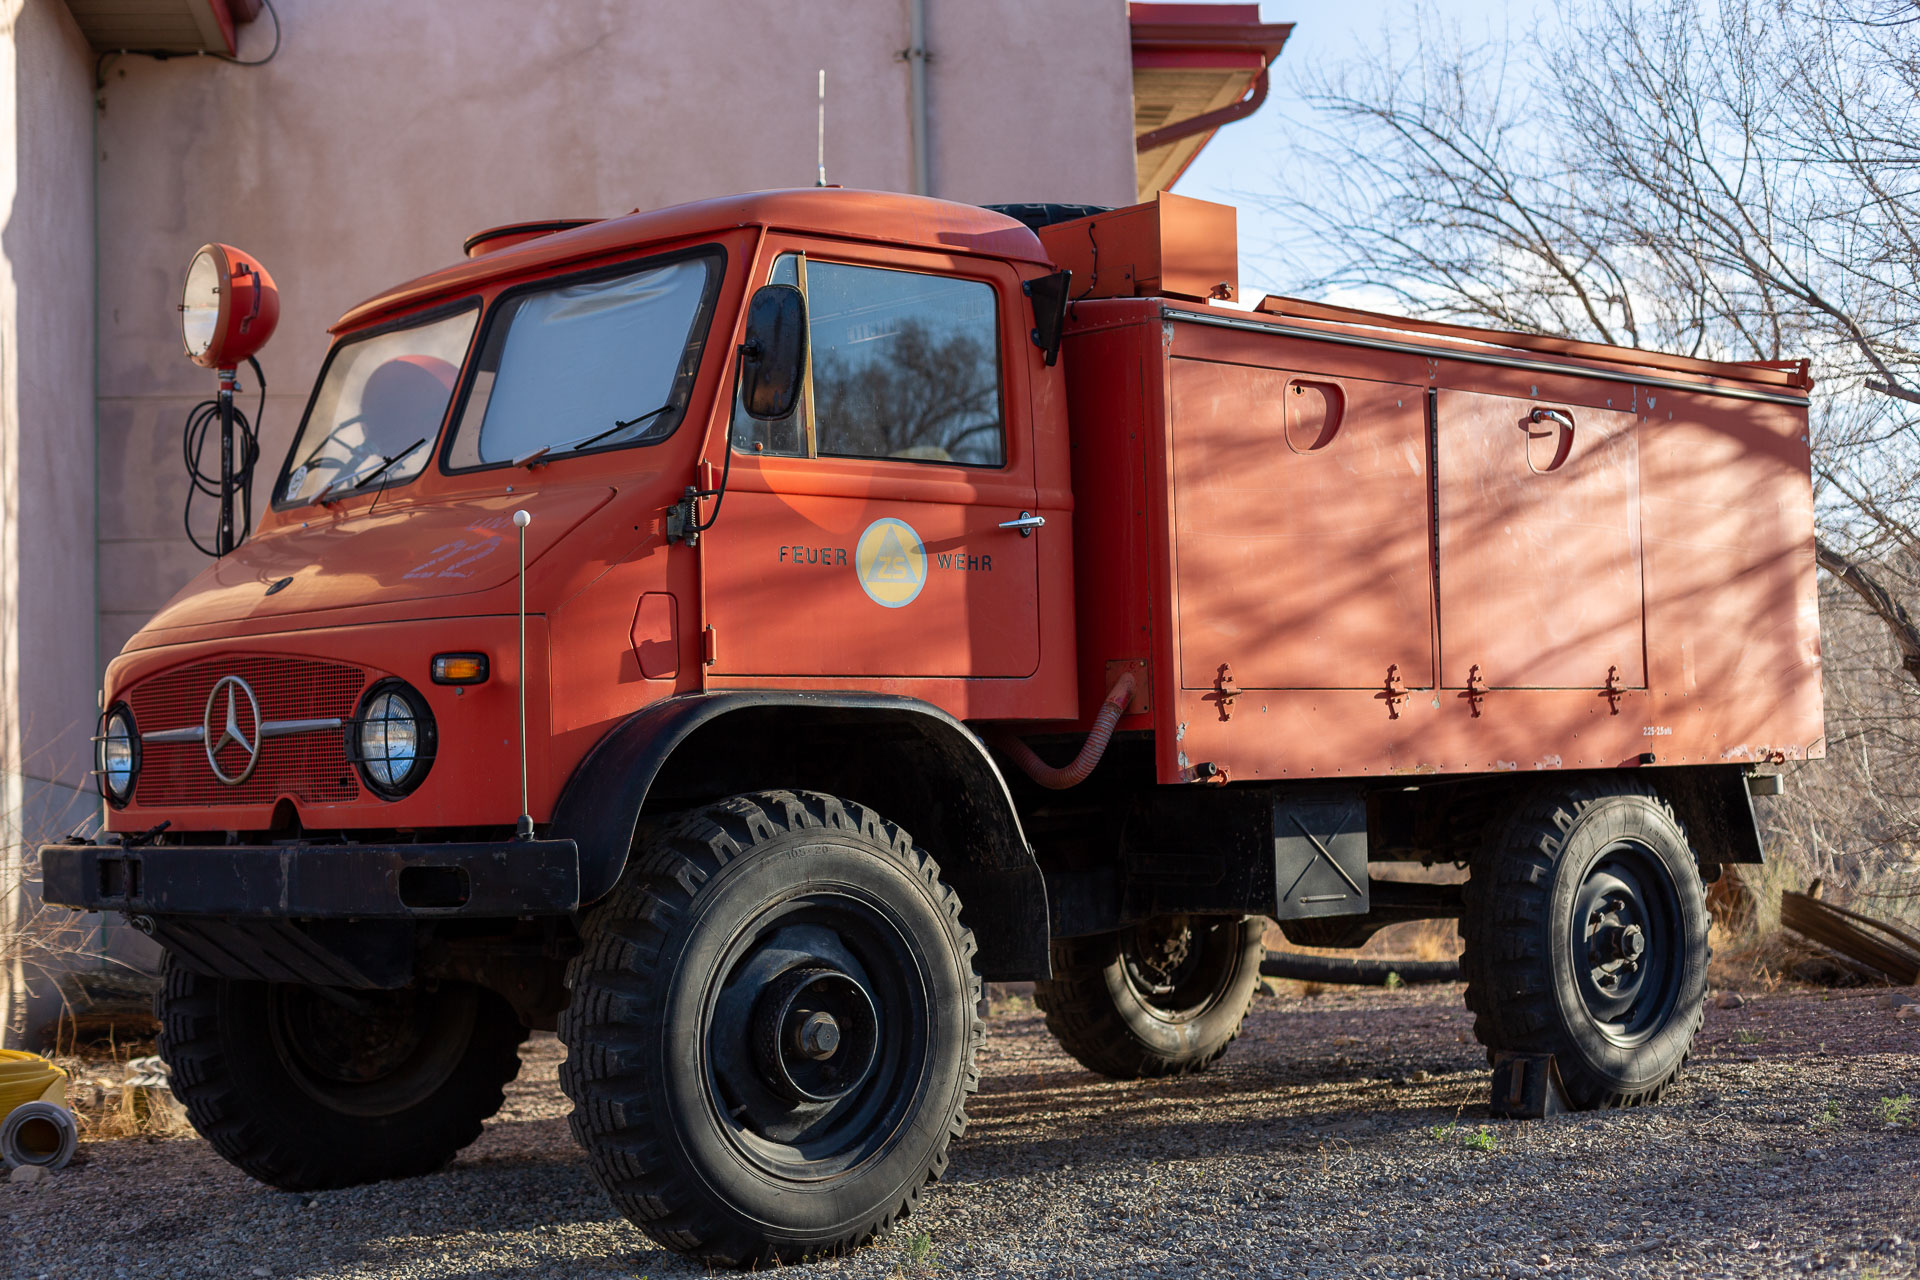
1632	942
815	1033
817	1037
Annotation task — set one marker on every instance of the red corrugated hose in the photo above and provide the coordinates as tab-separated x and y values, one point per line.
1072	775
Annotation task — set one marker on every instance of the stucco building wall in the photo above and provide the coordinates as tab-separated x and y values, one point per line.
47	657
382	134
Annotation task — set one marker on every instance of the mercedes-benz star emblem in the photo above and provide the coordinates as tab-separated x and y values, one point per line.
235	727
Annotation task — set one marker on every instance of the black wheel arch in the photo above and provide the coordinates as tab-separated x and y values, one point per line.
906	758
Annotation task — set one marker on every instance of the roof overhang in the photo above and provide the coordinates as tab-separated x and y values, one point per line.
162	26
1196	67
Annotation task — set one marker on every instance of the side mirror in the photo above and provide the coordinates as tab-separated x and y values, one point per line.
773	358
1049	295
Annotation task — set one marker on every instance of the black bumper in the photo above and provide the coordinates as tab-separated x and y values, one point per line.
317	882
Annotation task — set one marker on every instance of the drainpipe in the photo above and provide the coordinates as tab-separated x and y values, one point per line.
916	56
93	167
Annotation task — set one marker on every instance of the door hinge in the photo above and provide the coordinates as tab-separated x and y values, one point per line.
1613	691
1476	691
709	645
1393	691
1224	691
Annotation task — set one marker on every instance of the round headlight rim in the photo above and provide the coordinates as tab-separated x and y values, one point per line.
428	738
208	354
107	793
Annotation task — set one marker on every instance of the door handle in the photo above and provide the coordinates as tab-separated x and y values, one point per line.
1026	524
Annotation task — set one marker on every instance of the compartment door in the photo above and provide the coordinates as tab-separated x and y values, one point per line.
1539	515
1302	547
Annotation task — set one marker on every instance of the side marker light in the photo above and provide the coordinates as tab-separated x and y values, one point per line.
460	668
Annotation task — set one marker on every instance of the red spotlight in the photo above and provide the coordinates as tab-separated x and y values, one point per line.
229	307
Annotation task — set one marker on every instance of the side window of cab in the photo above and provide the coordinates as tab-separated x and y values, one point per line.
903	365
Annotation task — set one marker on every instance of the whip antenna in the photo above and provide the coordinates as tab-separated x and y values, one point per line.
822	180
524	830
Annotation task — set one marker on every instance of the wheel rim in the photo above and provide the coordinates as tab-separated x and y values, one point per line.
370	1053
816	1036
1176	969
1627	943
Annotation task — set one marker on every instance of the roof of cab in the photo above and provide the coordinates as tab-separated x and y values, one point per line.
861	215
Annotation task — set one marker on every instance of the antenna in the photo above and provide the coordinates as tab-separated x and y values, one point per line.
822	180
524	829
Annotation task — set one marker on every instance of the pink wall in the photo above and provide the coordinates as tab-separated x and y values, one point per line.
384	133
47	661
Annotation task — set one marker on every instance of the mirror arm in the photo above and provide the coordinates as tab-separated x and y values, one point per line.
683	517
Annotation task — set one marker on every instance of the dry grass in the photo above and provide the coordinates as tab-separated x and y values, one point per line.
102	1101
1752	952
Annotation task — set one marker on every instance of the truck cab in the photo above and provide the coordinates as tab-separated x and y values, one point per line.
729	634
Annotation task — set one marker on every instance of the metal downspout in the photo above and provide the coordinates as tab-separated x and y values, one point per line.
93	168
916	56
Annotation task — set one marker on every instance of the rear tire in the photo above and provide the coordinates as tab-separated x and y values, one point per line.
1586	938
773	1028
305	1093
1161	999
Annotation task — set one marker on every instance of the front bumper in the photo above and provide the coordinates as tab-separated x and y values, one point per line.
317	882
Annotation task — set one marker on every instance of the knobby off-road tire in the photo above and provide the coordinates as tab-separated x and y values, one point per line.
1586	937
772	1031
304	1092
1163	998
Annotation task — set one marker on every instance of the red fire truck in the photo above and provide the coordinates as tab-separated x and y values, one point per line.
729	634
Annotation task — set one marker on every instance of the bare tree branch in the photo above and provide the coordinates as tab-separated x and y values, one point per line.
1860	580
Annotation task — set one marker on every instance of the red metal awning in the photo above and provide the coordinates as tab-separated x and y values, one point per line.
162	26
1196	67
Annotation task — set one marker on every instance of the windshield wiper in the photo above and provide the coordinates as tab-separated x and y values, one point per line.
326	440
349	482
528	459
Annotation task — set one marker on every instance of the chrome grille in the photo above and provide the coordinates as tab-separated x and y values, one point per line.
309	767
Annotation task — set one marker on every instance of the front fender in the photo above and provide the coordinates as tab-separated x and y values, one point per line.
983	852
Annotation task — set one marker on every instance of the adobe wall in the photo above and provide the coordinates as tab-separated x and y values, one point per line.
47	658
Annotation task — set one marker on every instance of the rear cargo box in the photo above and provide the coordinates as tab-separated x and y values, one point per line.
1347	545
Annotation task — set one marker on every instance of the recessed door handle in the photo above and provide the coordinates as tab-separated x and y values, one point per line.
1026	524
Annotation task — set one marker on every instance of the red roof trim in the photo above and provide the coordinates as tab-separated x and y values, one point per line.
1218	36
1185	30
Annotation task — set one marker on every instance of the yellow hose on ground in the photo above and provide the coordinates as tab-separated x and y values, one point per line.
36	1126
28	1077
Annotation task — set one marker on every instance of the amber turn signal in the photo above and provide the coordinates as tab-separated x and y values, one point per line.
459	668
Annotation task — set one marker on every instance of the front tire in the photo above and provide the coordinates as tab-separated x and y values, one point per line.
1586	938
773	1026
307	1091
1162	998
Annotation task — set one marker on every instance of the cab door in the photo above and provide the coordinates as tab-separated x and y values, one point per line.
885	529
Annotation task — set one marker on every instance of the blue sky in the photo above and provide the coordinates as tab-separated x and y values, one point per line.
1249	157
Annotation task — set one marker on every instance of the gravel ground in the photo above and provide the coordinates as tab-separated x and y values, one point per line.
1345	1134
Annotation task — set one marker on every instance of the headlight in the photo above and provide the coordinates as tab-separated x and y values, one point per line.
228	307
117	756
394	738
200	304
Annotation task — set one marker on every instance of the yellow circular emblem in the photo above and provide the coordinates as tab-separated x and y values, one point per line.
890	562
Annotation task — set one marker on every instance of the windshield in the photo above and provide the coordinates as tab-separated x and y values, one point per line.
594	364
378	409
